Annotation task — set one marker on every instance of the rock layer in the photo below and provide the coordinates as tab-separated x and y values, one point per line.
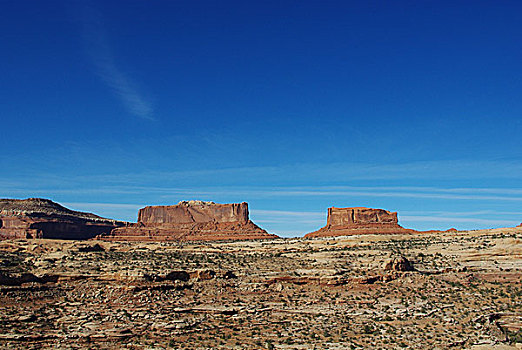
188	212
43	218
359	220
191	221
338	217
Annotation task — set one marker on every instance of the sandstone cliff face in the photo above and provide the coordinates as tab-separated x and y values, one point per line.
359	220
360	216
187	212
43	218
191	221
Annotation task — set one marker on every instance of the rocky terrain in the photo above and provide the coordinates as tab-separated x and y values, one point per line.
43	218
191	221
455	290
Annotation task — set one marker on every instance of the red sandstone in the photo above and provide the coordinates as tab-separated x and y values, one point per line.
359	220
191	221
43	218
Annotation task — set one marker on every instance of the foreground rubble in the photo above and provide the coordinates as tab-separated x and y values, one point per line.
419	291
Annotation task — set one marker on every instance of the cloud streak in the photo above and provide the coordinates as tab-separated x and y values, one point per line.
103	59
168	193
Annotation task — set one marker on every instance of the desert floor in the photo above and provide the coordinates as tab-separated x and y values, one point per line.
332	293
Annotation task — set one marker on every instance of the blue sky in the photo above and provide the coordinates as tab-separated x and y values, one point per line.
292	106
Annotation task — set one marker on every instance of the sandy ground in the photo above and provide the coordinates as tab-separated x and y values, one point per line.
328	293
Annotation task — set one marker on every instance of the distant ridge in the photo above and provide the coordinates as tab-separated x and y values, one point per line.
43	218
42	206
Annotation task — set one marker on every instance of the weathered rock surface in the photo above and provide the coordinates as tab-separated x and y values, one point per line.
398	263
43	218
359	220
191	221
188	212
360	216
203	275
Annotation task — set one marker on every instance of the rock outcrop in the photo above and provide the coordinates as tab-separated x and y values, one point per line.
189	212
191	221
43	218
359	220
398	263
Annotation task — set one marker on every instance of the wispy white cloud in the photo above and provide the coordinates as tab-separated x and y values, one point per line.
99	50
382	192
432	213
379	193
287	217
169	193
293	214
119	211
331	173
412	219
104	205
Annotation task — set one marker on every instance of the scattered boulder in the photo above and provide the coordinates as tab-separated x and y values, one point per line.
399	263
369	279
278	287
178	276
25	318
171	276
152	277
203	275
91	248
229	275
184	276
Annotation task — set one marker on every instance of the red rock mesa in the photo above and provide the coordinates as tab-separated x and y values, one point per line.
43	218
191	221
357	221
